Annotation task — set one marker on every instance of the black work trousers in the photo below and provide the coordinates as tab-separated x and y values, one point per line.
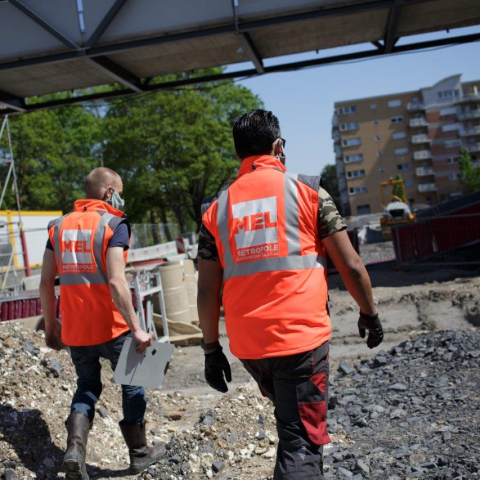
298	387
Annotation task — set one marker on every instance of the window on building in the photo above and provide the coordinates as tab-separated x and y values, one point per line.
452	160
396	120
373	106
394	103
347	110
351	142
349	126
399	152
363	209
408	183
453	143
403	167
356	174
375	122
358	157
453	176
377	138
399	135
356	190
380	153
445	94
381	169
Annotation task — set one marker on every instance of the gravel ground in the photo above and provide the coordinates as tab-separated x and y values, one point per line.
425	427
408	413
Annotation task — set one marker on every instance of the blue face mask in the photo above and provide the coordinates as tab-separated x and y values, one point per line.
116	201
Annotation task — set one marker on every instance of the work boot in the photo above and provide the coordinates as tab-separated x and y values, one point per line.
78	426
141	456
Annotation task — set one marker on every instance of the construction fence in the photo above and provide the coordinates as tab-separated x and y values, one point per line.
447	240
146	235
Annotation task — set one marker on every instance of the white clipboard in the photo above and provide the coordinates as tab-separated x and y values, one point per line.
146	369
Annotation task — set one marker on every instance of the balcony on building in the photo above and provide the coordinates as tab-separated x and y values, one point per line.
424	171
335	122
469	115
336	136
426	187
338	152
421	138
472	147
418	122
415	106
470	131
469	97
422	155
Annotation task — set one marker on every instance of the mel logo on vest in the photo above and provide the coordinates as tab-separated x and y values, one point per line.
76	251
255	229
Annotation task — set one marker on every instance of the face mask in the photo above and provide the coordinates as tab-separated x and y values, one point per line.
116	201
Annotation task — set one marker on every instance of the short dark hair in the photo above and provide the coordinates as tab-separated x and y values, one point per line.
254	132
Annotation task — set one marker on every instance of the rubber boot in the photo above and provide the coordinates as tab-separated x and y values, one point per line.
78	426
141	455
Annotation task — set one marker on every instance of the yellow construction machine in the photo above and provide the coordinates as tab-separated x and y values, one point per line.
397	210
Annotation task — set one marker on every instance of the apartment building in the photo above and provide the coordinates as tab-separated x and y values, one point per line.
417	134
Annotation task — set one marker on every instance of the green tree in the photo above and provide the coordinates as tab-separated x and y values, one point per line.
175	148
54	150
399	190
469	174
330	182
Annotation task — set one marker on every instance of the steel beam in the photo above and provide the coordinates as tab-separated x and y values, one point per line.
249	48
14	103
391	38
245	73
103	25
117	73
44	24
241	27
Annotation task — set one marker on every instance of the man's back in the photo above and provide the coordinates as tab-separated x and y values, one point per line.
275	291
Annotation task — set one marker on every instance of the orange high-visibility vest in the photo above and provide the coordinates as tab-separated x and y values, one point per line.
80	239
274	277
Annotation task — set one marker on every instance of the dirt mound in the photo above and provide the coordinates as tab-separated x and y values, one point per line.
408	413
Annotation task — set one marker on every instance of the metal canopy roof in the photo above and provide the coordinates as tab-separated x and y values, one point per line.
64	45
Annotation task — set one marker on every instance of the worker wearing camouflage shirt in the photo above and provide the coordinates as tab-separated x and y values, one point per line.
262	253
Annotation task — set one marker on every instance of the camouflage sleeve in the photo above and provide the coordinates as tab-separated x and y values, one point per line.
329	219
207	248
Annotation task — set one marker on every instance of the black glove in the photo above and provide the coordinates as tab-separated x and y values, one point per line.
374	327
216	365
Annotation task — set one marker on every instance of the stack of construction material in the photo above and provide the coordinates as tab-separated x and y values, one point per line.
179	281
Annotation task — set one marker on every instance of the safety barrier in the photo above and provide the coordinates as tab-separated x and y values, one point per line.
446	240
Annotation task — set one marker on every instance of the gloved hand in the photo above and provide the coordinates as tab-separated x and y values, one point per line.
216	366
374	327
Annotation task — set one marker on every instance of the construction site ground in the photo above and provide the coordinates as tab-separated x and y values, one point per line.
37	385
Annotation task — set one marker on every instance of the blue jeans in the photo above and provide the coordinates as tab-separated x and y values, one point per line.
89	385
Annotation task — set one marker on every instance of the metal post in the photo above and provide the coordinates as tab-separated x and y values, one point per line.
138	295
26	261
163	310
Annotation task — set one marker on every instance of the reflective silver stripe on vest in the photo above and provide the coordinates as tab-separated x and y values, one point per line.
98	278
294	261
291	213
275	264
222	220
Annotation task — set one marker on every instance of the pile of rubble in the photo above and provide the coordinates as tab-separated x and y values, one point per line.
411	412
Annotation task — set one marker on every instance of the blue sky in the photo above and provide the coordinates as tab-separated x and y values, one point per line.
303	100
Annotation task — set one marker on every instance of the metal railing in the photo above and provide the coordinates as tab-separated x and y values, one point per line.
147	235
422	154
